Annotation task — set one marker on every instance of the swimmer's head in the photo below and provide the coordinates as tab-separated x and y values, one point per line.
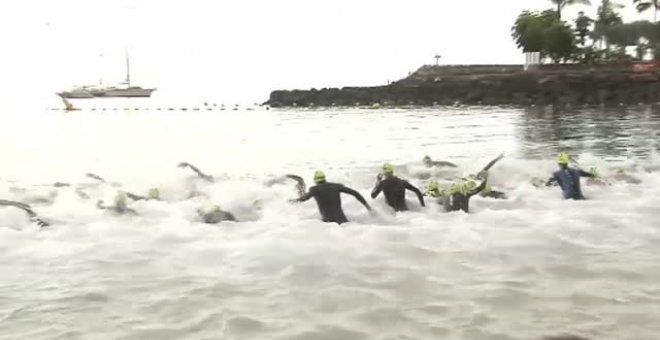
319	177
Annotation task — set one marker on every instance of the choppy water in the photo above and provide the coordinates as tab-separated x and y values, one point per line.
523	268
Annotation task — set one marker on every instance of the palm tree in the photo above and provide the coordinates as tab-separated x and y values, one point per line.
563	3
644	5
608	16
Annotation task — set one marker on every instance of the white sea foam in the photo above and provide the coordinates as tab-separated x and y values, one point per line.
521	268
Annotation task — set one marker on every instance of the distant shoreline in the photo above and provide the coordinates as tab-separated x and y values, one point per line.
430	85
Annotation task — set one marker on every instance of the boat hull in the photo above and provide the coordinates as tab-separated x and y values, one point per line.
131	92
75	94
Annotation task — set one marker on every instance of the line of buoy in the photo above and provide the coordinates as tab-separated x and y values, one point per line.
183	109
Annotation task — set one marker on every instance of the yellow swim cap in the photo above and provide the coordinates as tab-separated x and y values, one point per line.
459	188
470	185
433	189
388	169
120	200
319	176
564	158
216	209
154	194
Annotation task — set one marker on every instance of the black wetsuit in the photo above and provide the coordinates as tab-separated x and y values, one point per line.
494	194
329	201
456	202
394	189
218	216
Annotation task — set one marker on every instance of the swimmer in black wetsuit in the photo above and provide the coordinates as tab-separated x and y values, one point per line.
394	189
429	163
458	196
216	215
120	206
328	199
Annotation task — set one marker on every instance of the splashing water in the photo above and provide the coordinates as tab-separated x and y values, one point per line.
526	267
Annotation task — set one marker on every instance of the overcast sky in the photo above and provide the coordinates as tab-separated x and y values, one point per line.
238	50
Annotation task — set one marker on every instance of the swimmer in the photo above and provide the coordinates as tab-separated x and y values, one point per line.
394	189
328	198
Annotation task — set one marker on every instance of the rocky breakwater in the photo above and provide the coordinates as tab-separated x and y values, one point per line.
494	85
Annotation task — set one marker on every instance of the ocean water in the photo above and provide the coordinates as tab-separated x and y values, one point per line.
530	266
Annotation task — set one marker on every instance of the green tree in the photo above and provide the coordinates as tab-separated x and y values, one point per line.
543	32
559	42
607	16
583	27
645	5
563	3
527	31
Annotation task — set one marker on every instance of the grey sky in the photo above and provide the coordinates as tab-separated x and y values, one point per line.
239	50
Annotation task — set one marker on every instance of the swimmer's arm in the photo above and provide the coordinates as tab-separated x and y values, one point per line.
377	189
306	196
300	183
444	164
18	205
552	181
33	216
135	197
479	189
96	177
100	205
483	175
199	173
230	217
417	192
357	196
81	194
586	174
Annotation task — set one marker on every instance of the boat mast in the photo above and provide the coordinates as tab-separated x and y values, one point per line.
128	70
100	72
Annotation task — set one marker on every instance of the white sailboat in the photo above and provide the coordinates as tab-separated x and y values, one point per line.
124	89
